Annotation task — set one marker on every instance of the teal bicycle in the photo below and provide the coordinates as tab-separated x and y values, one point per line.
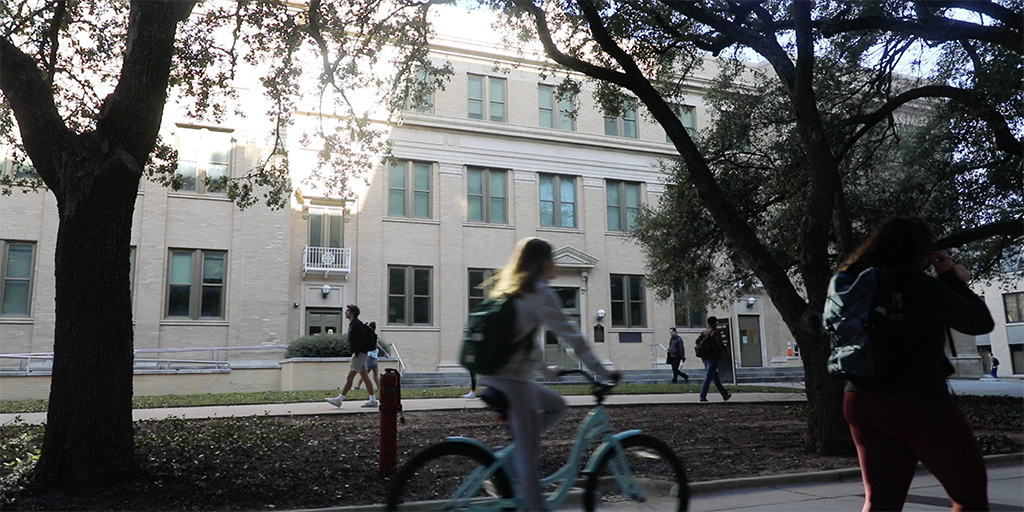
461	473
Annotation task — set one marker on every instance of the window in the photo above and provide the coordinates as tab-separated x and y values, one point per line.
628	301
686	313
557	201
409	190
487	195
18	171
564	118
204	160
622	126
477	290
326	228
16	294
623	200
489	92
1013	303
687	116
196	284
409	295
419	94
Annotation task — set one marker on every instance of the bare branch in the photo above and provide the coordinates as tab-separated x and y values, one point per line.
1013	228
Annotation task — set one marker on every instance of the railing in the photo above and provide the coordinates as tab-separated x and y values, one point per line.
393	352
654	353
29	363
326	259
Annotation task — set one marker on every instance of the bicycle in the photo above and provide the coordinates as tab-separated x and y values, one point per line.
462	473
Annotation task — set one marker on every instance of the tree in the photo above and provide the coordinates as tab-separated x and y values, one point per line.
87	82
832	99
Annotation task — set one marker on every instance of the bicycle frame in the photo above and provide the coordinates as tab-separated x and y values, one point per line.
596	426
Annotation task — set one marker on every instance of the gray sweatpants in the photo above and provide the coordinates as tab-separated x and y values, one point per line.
533	408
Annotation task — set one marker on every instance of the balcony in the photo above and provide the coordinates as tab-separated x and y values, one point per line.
326	260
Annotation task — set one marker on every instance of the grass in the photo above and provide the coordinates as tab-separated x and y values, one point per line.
284	397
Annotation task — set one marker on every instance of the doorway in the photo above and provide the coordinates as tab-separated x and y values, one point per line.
556	351
750	341
322	320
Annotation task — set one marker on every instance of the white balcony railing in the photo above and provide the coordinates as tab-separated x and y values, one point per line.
326	260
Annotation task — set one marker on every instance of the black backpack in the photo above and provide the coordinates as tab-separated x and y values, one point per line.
706	347
862	313
365	340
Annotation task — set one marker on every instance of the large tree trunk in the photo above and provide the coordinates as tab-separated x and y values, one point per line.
827	430
89	435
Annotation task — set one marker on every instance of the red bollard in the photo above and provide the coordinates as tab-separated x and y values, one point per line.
390	404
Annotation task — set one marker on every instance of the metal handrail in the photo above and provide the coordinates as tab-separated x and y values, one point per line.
654	352
393	352
27	359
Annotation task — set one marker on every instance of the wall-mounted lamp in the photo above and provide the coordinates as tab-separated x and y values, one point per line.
325	290
751	301
601	314
295	305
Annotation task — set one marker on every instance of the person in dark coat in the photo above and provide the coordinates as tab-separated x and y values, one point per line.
677	355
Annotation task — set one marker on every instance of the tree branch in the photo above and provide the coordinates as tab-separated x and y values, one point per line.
931	29
1013	228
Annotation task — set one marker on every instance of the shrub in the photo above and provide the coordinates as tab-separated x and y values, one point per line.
993	411
320	345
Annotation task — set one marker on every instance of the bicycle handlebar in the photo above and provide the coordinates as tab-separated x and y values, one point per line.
599	389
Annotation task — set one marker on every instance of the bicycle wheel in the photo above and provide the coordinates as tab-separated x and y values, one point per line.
648	471
433	478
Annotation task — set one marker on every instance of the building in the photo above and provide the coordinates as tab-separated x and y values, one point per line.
494	157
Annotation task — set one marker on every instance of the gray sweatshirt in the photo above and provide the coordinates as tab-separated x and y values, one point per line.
543	306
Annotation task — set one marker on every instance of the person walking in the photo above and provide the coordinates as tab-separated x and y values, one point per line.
533	407
472	386
360	340
995	368
711	340
908	415
372	356
676	355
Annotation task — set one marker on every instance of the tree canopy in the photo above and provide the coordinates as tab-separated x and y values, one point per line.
833	134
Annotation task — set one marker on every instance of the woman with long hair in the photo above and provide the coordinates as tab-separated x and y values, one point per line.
533	408
910	415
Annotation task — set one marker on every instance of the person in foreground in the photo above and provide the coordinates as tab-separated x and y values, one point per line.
533	408
910	416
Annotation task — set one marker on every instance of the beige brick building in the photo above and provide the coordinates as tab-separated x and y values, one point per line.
493	158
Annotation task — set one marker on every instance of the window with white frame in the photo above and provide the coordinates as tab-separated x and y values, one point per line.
326	228
196	284
557	201
419	95
477	290
555	111
1013	304
687	115
487	98
204	160
17	270
623	203
487	195
623	125
409	189
627	301
409	295
687	314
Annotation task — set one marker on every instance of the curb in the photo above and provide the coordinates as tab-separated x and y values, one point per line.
732	484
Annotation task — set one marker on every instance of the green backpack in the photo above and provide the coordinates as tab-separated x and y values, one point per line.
490	341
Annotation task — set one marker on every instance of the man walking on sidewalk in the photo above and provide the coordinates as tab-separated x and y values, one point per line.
676	355
361	339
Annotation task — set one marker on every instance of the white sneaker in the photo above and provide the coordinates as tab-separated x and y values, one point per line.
372	402
471	394
336	401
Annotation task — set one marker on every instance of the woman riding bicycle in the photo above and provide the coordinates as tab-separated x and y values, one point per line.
533	408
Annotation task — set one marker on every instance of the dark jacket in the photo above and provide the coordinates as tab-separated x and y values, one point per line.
676	350
929	306
357	334
715	345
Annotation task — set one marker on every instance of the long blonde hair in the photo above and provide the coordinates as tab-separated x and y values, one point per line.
524	268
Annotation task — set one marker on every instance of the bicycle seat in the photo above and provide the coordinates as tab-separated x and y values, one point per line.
497	401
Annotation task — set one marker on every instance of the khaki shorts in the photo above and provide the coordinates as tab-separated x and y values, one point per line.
358	363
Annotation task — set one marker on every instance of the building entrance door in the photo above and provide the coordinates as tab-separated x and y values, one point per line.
321	320
556	351
750	341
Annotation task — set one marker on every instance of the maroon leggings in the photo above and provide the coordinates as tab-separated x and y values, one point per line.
892	433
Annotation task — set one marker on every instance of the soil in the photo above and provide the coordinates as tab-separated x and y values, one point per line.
269	463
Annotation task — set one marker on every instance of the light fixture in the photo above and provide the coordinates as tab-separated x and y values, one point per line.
751	301
601	314
325	290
